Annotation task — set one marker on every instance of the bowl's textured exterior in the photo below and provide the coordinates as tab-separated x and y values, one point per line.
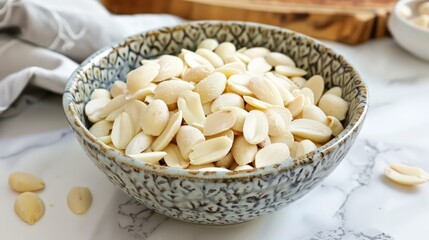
215	197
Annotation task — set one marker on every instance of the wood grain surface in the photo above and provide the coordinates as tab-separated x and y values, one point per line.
347	21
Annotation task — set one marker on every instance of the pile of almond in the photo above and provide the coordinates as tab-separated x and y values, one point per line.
217	109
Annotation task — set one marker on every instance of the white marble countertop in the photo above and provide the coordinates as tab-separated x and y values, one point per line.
354	202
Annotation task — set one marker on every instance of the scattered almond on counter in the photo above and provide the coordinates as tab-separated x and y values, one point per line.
79	200
25	182
406	175
29	207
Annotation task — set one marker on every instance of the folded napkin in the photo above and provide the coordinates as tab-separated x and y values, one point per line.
42	46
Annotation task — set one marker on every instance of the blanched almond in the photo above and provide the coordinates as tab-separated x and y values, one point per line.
174	158
304	147
243	168
186	138
114	104
228	70
168	133
240	116
29	207
276	58
149	157
25	182
135	109
241	79
155	118
227	100
190	104
225	162
256	103
295	107
105	139
228	133
218	122
258	65
118	88
170	90
212	57
244	58
255	128
207	107
193	60
209	43
272	154
317	85
210	150
265	90
335	125
111	117
96	105
333	106
122	131
337	91
225	50
170	66
198	73
307	92
276	124
283	112
286	138
79	200
299	81
239	89
256	52
242	151
289	71
198	167
101	128
100	93
142	76
311	130
314	113
142	93
283	88
139	143
406	175
211	87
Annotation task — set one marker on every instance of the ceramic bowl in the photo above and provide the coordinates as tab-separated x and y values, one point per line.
411	37
215	197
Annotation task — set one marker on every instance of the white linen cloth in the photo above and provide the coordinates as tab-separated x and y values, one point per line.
42	44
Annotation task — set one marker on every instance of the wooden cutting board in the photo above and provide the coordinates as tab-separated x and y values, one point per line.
346	21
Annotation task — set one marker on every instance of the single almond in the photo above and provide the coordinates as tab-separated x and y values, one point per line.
286	138
211	87
25	182
79	200
218	122
240	116
226	161
210	150
243	152
337	91
333	106
256	103
276	124
209	43
135	109
194	60
118	88
198	73
29	207
174	158
276	58
114	104
335	125
227	100
190	104
272	154
406	175
170	66
258	65
311	130
142	76
170	90
256	52
169	132
265	90
139	143
122	131
289	71
317	86
314	113
296	106
148	156
101	128
304	147
100	93
255	128
154	118
212	57
226	51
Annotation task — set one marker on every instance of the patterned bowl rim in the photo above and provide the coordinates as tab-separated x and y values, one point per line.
288	165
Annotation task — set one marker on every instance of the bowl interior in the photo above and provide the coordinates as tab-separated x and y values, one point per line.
114	62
